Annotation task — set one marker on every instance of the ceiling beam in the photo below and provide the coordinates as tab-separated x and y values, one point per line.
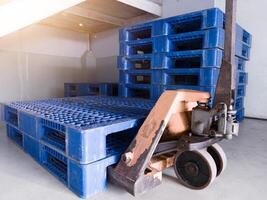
145	5
94	15
17	14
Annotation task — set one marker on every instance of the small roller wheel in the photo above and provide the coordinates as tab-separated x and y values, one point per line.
219	157
195	169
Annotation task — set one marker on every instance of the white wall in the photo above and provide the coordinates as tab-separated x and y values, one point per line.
105	46
252	15
36	61
177	7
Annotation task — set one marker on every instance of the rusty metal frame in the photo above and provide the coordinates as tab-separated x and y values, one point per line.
225	90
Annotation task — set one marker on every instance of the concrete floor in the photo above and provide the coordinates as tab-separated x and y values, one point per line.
245	177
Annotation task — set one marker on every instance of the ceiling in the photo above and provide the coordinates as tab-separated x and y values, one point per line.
92	16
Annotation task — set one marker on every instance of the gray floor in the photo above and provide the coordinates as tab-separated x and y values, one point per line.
245	177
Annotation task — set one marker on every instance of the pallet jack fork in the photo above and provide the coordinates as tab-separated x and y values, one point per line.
183	131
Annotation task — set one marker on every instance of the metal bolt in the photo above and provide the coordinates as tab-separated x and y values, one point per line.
127	157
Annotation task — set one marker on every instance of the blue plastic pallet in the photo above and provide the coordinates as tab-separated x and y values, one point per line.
195	77
153	92
83	180
177	43
188	59
174	25
85	145
193	59
71	140
196	21
243	35
205	39
71	127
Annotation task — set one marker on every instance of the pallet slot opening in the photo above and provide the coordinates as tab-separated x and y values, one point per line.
12	118
114	90
73	88
194	62
118	142
142	49
191	80
193	44
244	52
140	79
55	138
93	90
240	65
185	26
142	64
141	34
60	165
246	37
140	93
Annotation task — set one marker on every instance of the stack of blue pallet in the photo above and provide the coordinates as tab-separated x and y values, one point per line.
181	52
85	89
75	139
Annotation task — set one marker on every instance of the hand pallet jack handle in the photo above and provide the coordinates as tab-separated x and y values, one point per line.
225	90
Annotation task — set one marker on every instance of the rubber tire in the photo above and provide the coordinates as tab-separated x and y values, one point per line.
206	169
219	157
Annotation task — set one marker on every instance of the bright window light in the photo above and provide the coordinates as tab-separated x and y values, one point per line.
17	14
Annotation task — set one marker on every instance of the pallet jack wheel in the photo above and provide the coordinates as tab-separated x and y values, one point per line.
219	157
195	169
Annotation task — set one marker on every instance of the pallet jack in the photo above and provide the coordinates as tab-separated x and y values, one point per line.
183	131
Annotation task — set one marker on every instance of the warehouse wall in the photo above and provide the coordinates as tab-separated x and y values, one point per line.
36	61
105	46
252	15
